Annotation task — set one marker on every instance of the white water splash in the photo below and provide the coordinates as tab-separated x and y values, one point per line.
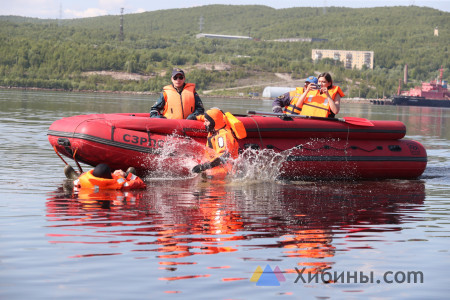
175	159
180	154
258	165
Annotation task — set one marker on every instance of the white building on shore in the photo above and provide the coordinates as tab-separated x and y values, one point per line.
349	58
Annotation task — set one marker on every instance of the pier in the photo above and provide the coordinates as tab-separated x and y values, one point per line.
367	101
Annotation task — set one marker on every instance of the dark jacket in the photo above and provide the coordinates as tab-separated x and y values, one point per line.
281	102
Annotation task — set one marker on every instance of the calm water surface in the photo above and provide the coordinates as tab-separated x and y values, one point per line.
201	240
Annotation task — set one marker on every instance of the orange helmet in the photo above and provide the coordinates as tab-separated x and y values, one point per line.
215	118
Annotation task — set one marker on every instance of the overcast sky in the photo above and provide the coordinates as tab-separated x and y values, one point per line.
69	9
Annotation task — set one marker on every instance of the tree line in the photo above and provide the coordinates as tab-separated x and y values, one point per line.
57	53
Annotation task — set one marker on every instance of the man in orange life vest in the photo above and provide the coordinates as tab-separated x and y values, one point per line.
101	178
221	140
287	103
178	100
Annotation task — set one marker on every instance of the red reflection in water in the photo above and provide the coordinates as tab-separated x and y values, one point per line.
174	263
234	279
424	121
183	277
93	255
223	267
190	218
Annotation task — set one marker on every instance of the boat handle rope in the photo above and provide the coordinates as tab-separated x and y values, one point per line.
259	132
346	142
327	147
113	128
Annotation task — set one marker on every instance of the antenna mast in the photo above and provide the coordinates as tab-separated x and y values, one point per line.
121	25
60	13
200	22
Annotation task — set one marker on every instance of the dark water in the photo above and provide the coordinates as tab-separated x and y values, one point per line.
203	240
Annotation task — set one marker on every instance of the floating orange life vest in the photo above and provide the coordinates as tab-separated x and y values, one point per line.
317	104
179	106
87	180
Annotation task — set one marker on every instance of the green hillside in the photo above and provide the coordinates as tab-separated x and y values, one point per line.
59	53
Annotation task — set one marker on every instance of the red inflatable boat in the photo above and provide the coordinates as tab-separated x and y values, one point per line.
312	148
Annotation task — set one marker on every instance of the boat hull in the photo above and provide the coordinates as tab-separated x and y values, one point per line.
310	149
419	101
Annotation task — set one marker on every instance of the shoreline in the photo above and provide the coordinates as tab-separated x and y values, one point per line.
344	100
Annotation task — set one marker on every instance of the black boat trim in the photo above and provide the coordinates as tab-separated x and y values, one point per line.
333	130
356	158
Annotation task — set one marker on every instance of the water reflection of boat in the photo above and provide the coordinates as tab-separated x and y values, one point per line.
301	220
309	216
312	149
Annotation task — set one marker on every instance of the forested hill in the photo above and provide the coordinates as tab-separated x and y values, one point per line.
58	53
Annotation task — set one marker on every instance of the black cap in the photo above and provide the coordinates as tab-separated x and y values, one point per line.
177	71
102	171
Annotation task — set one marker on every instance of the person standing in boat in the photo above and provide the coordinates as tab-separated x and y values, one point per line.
221	145
323	100
287	103
178	100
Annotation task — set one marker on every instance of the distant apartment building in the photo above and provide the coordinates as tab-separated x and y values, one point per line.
222	36
350	59
292	40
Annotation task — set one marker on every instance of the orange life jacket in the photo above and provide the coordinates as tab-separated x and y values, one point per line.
292	108
317	104
179	106
87	180
231	123
221	142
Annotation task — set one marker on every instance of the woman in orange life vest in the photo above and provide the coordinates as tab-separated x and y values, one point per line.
101	178
323	100
221	140
178	100
287	103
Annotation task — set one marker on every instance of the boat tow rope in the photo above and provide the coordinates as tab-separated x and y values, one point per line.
78	165
349	120
54	148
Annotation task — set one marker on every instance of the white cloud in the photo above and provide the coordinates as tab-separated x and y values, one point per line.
140	10
90	12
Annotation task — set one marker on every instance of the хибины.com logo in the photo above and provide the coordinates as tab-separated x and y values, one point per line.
268	277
